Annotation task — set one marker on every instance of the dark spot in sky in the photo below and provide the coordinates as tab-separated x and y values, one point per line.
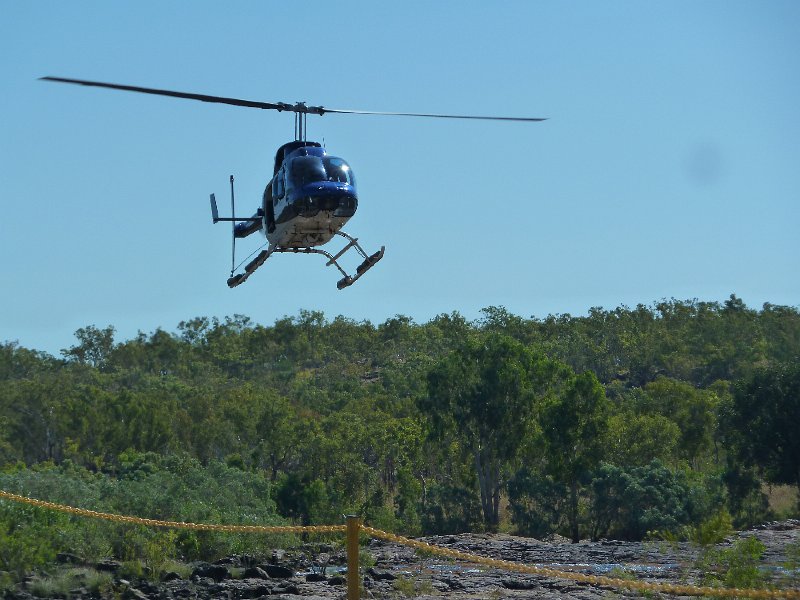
704	165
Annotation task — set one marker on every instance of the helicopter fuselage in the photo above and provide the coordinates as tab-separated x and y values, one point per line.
309	198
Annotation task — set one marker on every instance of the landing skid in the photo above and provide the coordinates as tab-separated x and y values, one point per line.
345	281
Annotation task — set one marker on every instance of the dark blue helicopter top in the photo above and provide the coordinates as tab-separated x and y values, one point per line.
309	163
285	150
306	181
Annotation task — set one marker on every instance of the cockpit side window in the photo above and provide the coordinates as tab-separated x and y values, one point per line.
279	188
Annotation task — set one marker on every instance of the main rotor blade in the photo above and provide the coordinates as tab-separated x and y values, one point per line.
437	116
298	107
201	97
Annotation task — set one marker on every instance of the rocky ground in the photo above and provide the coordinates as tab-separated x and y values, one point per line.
316	572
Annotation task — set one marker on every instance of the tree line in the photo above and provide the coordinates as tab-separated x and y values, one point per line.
613	424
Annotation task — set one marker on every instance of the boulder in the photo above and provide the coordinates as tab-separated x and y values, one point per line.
381	575
277	571
255	573
215	572
108	566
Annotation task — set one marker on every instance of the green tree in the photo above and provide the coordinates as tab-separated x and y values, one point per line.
278	431
21	363
486	393
635	440
781	329
536	502
94	348
693	410
574	425
761	422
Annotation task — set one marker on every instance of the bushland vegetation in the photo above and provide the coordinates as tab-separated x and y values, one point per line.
614	424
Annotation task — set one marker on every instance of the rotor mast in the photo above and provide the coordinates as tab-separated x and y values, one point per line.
300	114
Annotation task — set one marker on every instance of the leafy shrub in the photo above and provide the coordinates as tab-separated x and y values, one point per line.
404	586
748	503
382	517
711	531
26	540
155	548
626	504
99	583
131	569
61	583
302	498
737	566
171	488
413	587
6	583
792	565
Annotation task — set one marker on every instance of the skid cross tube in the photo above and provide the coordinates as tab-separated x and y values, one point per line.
346	280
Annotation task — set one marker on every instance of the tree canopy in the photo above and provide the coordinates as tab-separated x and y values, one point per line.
682	407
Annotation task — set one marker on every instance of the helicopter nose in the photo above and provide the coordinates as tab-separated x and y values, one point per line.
327	187
341	205
334	196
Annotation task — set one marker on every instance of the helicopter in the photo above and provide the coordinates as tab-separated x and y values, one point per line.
310	196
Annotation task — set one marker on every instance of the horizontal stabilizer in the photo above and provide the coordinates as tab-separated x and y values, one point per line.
214	211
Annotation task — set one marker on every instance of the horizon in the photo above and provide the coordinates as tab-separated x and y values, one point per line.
474	320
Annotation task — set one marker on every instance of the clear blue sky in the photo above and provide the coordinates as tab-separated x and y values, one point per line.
670	166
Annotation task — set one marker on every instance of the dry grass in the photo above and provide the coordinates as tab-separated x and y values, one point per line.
782	500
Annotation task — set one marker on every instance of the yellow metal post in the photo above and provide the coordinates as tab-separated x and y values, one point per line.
353	583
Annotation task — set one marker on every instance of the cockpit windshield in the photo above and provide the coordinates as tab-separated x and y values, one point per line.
308	169
338	170
313	169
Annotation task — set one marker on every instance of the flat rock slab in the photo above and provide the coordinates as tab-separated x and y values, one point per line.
400	573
